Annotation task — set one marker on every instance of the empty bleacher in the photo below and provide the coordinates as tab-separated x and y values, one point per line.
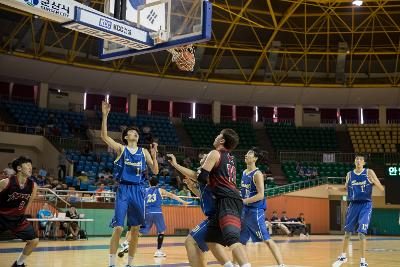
203	132
374	139
286	136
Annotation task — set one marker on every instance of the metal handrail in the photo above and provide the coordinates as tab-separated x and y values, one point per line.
287	188
55	194
316	156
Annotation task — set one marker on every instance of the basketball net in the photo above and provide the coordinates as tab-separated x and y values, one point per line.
183	56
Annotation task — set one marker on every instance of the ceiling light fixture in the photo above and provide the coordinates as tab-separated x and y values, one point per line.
357	3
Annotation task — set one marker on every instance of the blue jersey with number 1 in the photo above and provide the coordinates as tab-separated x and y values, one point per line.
359	188
131	167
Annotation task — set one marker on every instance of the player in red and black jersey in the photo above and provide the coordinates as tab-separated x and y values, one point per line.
16	194
219	170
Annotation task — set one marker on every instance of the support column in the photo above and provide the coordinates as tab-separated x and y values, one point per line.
43	95
132	105
382	116
298	115
216	112
10	89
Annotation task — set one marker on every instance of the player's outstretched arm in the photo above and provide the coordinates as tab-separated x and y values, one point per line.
173	196
4	184
259	182
183	170
341	189
374	179
151	158
192	186
105	109
212	158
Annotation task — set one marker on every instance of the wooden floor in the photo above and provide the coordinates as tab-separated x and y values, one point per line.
309	251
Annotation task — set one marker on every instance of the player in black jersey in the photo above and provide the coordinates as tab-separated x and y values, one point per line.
16	194
219	170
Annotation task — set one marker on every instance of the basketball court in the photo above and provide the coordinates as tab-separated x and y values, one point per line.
315	251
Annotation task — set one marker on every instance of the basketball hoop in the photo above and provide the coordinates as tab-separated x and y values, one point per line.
183	56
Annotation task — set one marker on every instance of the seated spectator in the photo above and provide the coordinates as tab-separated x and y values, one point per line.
46	226
9	171
280	226
42	172
308	173
164	171
314	173
298	166
302	228
102	173
40	181
284	217
83	178
72	227
184	192
99	193
301	171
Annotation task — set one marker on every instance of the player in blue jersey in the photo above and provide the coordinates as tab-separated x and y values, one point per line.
253	214
359	183
130	169
154	196
195	243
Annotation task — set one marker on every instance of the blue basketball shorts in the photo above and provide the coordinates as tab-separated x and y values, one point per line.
153	218
130	203
199	233
358	213
253	226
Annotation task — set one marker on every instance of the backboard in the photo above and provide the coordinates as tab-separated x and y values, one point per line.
170	23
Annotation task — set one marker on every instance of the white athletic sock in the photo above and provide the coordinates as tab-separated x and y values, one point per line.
21	259
362	260
111	259
228	264
246	265
344	255
130	259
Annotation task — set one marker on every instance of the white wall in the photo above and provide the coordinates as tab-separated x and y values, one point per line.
38	148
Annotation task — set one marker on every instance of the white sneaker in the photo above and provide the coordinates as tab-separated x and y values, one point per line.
159	254
363	264
339	261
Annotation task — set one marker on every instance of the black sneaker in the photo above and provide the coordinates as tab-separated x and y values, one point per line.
16	265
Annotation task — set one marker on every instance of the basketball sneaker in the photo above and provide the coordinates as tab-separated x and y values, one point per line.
16	265
339	261
363	264
159	254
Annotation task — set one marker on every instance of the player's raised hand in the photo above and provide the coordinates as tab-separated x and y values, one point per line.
153	150
105	108
172	159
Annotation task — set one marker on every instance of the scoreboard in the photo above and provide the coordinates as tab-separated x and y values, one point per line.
392	183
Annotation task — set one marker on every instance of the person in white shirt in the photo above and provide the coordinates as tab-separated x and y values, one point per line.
9	171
